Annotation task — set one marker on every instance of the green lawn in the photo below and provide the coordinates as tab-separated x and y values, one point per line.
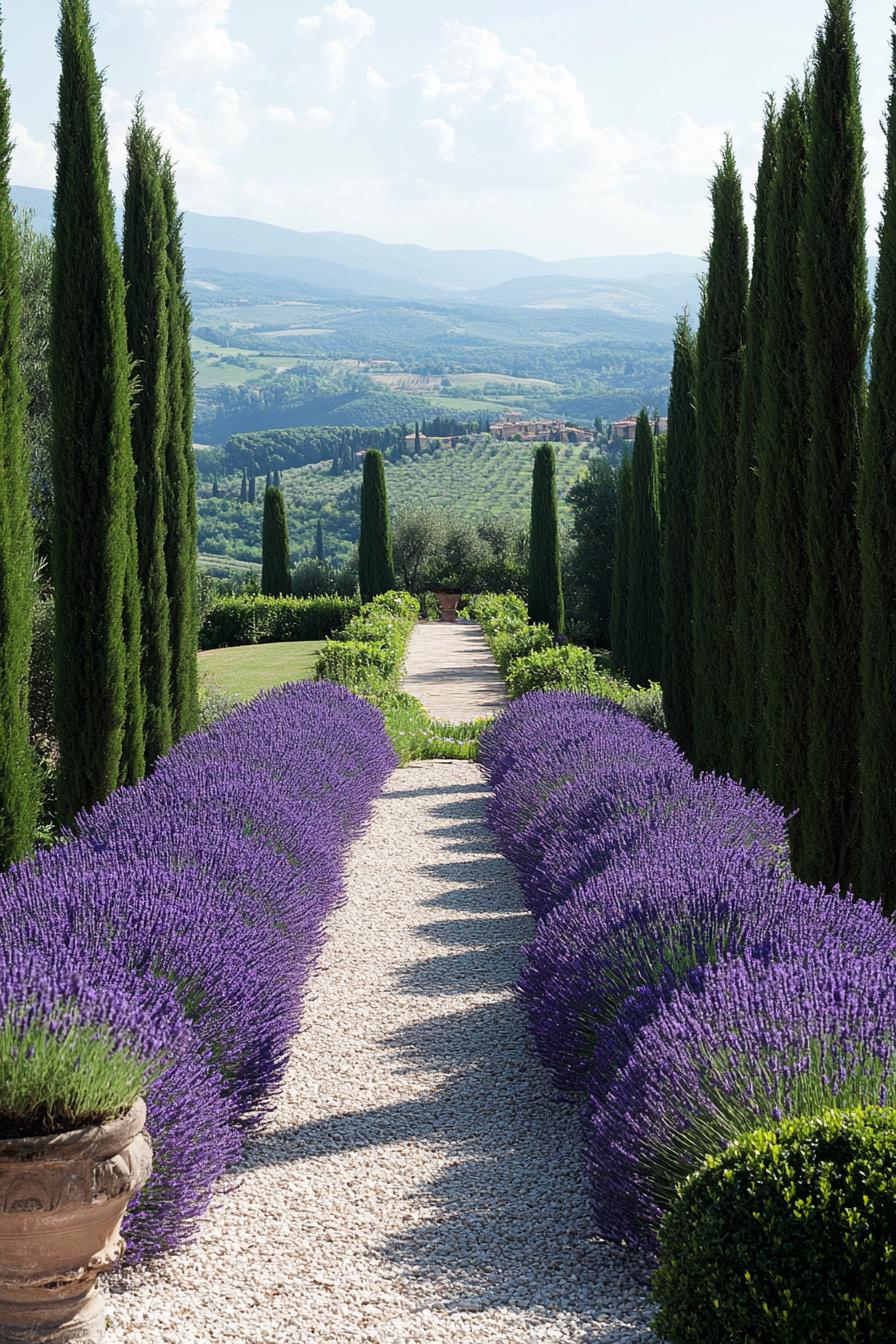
250	668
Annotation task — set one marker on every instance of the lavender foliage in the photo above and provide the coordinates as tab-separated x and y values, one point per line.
209	883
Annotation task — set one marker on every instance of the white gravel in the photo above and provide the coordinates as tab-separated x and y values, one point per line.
418	1181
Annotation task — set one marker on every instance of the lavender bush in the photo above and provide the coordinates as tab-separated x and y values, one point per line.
207	886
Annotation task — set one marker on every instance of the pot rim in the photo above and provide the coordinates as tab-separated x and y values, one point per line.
103	1140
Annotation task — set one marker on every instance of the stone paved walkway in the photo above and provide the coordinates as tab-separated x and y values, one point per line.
451	671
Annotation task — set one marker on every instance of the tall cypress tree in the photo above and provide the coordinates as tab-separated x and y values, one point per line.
376	568
244	488
747	691
545	580
621	552
93	467
146	308
319	553
644	639
837	315
877	548
181	528
678	539
720	358
275	566
252	484
781	452
18	783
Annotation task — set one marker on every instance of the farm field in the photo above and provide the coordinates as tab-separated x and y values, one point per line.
248	669
478	480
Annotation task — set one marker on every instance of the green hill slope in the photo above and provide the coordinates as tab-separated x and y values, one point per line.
479	480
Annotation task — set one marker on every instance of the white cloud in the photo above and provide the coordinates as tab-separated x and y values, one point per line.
344	28
376	83
33	161
316	117
445	137
196	32
281	116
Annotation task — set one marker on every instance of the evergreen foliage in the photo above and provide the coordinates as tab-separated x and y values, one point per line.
621	552
275	562
746	691
720	358
18	783
376	569
146	308
588	579
93	467
877	549
180	479
678	539
644	637
781	452
836	311
545	579
244	488
251	494
319	553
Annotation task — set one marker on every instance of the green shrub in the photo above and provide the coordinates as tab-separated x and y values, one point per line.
564	669
40	677
429	607
417	737
215	704
507	648
233	621
787	1237
364	666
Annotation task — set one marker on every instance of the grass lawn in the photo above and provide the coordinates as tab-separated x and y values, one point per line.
250	668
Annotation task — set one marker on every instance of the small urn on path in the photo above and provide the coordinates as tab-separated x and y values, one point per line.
62	1200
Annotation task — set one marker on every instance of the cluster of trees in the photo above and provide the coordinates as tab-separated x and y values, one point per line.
779	644
119	488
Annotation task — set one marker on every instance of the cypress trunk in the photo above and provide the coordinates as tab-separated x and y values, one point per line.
644	640
181	530
621	549
837	317
545	581
877	548
376	569
93	467
720	358
146	309
275	567
678	540
781	453
747	690
18	781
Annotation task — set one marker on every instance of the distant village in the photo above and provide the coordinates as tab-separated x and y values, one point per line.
513	428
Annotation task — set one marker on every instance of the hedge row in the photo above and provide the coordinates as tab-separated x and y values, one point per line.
368	654
193	905
233	621
690	991
530	660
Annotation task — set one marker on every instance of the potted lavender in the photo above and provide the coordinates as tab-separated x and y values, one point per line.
75	1059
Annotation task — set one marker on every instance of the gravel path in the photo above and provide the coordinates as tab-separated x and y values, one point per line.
418	1181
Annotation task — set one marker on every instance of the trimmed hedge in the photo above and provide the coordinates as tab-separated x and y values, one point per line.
270	620
369	653
565	669
787	1236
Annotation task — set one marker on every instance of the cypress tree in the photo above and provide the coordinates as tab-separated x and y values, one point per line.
418	447
746	694
545	580
877	548
644	638
319	542
720	356
837	315
93	467
376	568
181	529
678	539
275	566
215	491
621	551
146	308
244	488
18	781
781	451
252	485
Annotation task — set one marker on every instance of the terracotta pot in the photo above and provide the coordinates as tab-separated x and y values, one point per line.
448	604
62	1199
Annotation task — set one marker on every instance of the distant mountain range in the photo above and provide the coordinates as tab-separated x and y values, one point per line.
652	287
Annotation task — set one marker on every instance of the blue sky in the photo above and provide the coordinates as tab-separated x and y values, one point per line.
558	127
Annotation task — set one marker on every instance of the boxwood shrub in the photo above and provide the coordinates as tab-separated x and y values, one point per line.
367	655
787	1236
269	620
568	668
